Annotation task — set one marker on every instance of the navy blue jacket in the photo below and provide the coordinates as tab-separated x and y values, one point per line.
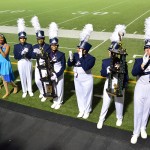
18	48
60	57
46	48
106	63
137	70
86	62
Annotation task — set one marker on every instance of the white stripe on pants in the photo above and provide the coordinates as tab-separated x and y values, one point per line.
59	88
84	92
141	106
119	102
25	72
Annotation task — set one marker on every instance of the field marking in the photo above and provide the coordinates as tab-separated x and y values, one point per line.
134	56
88	13
130	61
32	15
135	32
97	46
137	18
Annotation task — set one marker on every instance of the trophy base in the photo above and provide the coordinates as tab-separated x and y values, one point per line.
50	95
113	93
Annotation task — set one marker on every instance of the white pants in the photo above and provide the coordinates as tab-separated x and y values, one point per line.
59	88
37	79
25	72
84	91
119	102
141	107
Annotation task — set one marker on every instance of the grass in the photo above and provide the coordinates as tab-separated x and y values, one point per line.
69	14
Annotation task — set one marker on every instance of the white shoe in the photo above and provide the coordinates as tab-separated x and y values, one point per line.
31	94
80	115
24	95
143	134
57	106
134	139
53	105
99	124
43	99
119	122
41	95
86	115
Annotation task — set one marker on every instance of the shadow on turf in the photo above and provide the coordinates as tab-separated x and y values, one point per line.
98	90
68	86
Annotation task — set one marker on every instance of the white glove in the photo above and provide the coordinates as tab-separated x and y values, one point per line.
23	52
108	69
80	53
70	55
26	50
37	51
54	77
145	59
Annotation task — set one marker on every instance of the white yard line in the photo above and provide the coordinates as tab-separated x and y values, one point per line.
134	56
137	18
88	13
97	46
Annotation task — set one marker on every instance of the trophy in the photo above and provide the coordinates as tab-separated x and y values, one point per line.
47	84
117	69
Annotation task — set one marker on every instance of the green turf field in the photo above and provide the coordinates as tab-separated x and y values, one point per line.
70	14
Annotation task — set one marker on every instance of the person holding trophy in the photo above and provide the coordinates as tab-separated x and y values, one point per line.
141	70
39	49
83	63
23	53
59	64
106	71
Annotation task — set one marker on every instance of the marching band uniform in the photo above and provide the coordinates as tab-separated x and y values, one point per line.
23	53
141	97
59	64
83	79
36	50
141	70
119	101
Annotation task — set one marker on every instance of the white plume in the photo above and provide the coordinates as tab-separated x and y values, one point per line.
21	25
53	30
35	24
147	28
119	30
85	34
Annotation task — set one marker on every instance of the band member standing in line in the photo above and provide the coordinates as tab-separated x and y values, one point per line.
59	63
37	49
23	53
141	70
83	62
119	101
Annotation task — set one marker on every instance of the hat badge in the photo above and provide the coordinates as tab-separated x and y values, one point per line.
22	34
39	34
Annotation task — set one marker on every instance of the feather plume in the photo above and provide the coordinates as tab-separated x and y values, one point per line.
86	32
53	30
147	28
21	25
119	30
35	24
